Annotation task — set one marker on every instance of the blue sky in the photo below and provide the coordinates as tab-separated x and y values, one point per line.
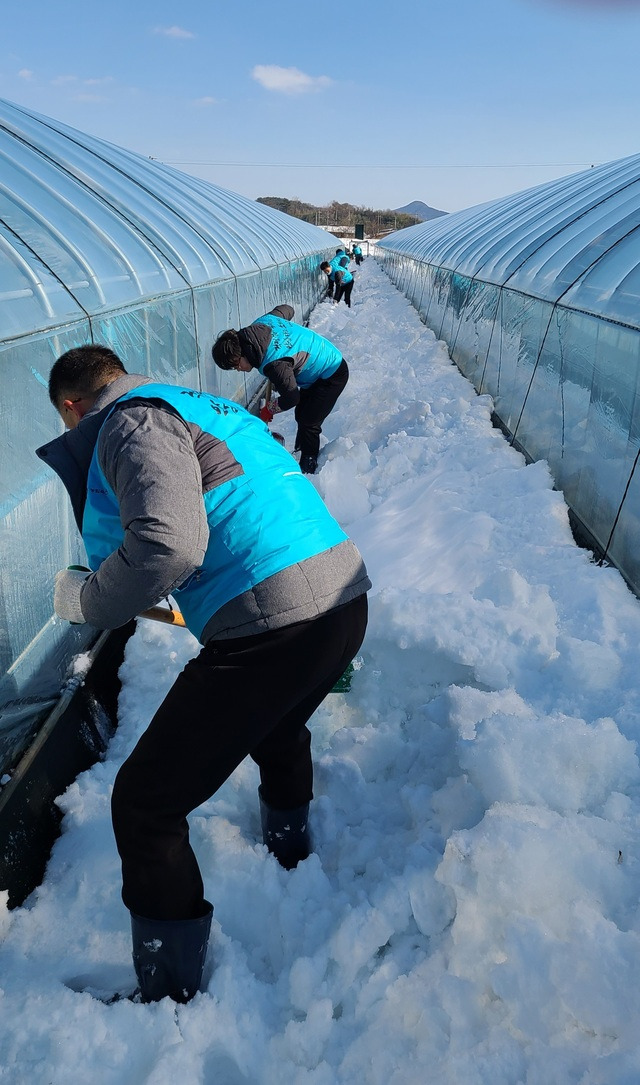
377	104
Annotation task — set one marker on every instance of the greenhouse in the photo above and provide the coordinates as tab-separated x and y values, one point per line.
538	299
98	244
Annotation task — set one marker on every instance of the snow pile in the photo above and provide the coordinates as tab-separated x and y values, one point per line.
470	915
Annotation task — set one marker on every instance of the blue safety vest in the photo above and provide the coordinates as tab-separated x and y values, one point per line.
289	339
261	522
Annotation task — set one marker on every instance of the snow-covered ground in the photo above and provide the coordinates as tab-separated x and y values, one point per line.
470	915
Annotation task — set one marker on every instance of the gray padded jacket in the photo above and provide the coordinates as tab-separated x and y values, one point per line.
159	484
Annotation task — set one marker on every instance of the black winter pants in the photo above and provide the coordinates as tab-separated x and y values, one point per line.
343	290
316	402
251	695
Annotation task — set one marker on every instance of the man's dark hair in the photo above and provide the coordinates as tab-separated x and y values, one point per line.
226	351
324	264
83	371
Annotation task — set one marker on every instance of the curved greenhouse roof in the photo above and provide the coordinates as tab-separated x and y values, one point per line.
86	227
573	241
98	244
538	298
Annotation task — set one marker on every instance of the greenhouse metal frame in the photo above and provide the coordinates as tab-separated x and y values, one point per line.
98	244
537	297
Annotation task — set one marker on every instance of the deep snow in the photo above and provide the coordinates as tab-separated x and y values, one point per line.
470	915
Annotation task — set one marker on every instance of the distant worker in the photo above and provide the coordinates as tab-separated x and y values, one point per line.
305	369
343	282
357	254
340	279
338	258
331	277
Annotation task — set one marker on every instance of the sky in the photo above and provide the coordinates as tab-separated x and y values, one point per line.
470	913
366	103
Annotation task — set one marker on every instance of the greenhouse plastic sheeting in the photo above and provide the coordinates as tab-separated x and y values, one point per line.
98	244
538	298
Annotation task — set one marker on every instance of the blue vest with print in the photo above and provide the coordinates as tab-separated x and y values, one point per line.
268	518
288	338
347	277
336	265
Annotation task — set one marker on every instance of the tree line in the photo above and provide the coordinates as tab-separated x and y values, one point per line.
342	217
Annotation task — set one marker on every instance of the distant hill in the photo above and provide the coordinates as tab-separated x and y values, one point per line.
420	211
340	218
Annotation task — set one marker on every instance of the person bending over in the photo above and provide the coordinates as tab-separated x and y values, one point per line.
304	368
330	273
179	492
343	282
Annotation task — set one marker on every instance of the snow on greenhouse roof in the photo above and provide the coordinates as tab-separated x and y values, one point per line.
575	240
86	226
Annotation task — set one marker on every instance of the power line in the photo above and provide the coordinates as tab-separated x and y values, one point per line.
379	166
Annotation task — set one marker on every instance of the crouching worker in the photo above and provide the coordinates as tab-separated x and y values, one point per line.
180	492
340	279
305	369
343	282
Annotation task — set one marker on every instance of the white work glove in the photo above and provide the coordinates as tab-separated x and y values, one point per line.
66	594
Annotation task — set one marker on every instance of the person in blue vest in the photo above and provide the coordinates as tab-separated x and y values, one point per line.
343	282
326	267
177	492
340	279
357	254
330	268
341	259
330	272
304	368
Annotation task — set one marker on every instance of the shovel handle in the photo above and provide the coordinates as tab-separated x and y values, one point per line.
162	614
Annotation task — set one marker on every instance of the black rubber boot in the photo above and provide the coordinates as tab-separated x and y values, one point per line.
169	955
308	465
286	833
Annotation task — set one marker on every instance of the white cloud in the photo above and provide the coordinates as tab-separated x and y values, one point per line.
206	101
173	32
74	81
25	73
288	80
